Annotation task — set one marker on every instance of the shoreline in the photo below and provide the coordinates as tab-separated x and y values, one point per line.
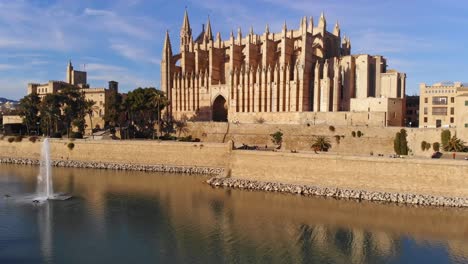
338	193
118	166
218	181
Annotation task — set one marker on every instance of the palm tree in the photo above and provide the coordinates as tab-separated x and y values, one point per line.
321	143
159	102
88	106
455	144
181	126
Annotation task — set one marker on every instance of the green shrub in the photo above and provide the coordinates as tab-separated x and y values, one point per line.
353	134
428	145
436	146
76	135
445	136
423	145
359	133
18	138
70	145
400	144
11	139
189	139
331	128
33	139
277	137
56	135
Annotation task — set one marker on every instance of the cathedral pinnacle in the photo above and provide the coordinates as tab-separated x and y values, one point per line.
336	30
186	24
208	32
167	43
322	21
310	26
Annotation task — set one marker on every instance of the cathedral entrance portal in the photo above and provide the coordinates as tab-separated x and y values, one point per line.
220	111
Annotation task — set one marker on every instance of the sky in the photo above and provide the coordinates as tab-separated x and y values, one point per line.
122	40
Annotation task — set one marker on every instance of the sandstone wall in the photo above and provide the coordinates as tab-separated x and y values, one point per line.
380	174
134	152
299	137
415	176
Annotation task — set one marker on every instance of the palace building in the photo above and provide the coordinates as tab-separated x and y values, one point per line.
444	105
285	77
78	80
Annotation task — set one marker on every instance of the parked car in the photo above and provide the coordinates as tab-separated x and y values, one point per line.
436	155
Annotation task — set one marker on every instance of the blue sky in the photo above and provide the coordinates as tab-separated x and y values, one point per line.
122	39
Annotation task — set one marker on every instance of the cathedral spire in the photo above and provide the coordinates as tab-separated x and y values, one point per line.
336	30
208	32
310	26
239	35
167	44
285	27
185	33
267	29
322	21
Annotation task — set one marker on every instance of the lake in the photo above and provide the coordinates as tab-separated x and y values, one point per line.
139	217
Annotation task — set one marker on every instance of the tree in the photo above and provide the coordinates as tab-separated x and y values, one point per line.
181	126
321	143
277	138
74	108
143	106
445	136
436	146
400	144
88	105
49	110
455	144
113	109
29	111
159	102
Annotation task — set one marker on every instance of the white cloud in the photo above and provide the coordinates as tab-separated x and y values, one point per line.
135	53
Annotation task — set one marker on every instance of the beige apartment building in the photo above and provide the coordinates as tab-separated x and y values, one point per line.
444	105
302	70
78	79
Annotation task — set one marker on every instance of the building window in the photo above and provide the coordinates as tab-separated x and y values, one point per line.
452	99
425	100
452	120
439	111
452	110
439	100
425	120
425	110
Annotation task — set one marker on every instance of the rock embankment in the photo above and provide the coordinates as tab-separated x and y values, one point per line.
417	199
119	166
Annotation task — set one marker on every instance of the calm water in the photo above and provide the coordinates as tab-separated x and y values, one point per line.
131	217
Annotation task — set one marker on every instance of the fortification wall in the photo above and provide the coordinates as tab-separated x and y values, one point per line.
299	137
131	152
439	178
445	178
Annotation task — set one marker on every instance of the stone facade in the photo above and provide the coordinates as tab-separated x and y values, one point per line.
78	79
444	105
304	70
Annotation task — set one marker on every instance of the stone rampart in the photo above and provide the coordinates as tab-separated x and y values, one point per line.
419	181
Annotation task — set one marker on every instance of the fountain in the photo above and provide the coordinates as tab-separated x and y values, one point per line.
45	187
